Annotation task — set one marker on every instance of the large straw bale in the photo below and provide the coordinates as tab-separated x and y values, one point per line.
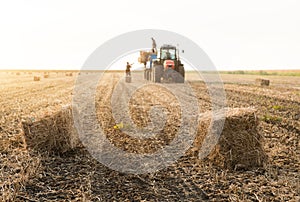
53	133
239	145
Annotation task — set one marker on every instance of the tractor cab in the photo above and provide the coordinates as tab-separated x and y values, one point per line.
168	57
168	52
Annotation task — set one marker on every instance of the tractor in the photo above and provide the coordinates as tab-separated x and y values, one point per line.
165	66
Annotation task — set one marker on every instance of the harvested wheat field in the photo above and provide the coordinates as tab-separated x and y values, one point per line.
256	158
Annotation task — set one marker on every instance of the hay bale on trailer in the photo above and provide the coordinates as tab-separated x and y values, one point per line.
36	78
262	82
240	144
52	134
144	57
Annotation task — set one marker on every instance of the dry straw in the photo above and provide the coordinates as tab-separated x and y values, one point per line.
144	55
240	144
53	133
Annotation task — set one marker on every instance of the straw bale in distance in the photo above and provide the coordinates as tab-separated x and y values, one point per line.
52	134
262	82
46	75
240	144
36	78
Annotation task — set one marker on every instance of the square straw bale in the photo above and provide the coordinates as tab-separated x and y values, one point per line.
262	82
36	78
240	145
53	133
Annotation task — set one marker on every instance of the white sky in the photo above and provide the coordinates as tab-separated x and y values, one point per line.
61	34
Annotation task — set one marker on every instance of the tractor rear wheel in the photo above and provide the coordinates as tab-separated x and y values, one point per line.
181	75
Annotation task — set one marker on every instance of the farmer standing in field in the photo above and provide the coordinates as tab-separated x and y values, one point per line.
128	66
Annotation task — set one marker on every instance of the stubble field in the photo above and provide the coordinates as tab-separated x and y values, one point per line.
28	175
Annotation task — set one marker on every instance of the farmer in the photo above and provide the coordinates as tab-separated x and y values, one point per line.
153	45
128	66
